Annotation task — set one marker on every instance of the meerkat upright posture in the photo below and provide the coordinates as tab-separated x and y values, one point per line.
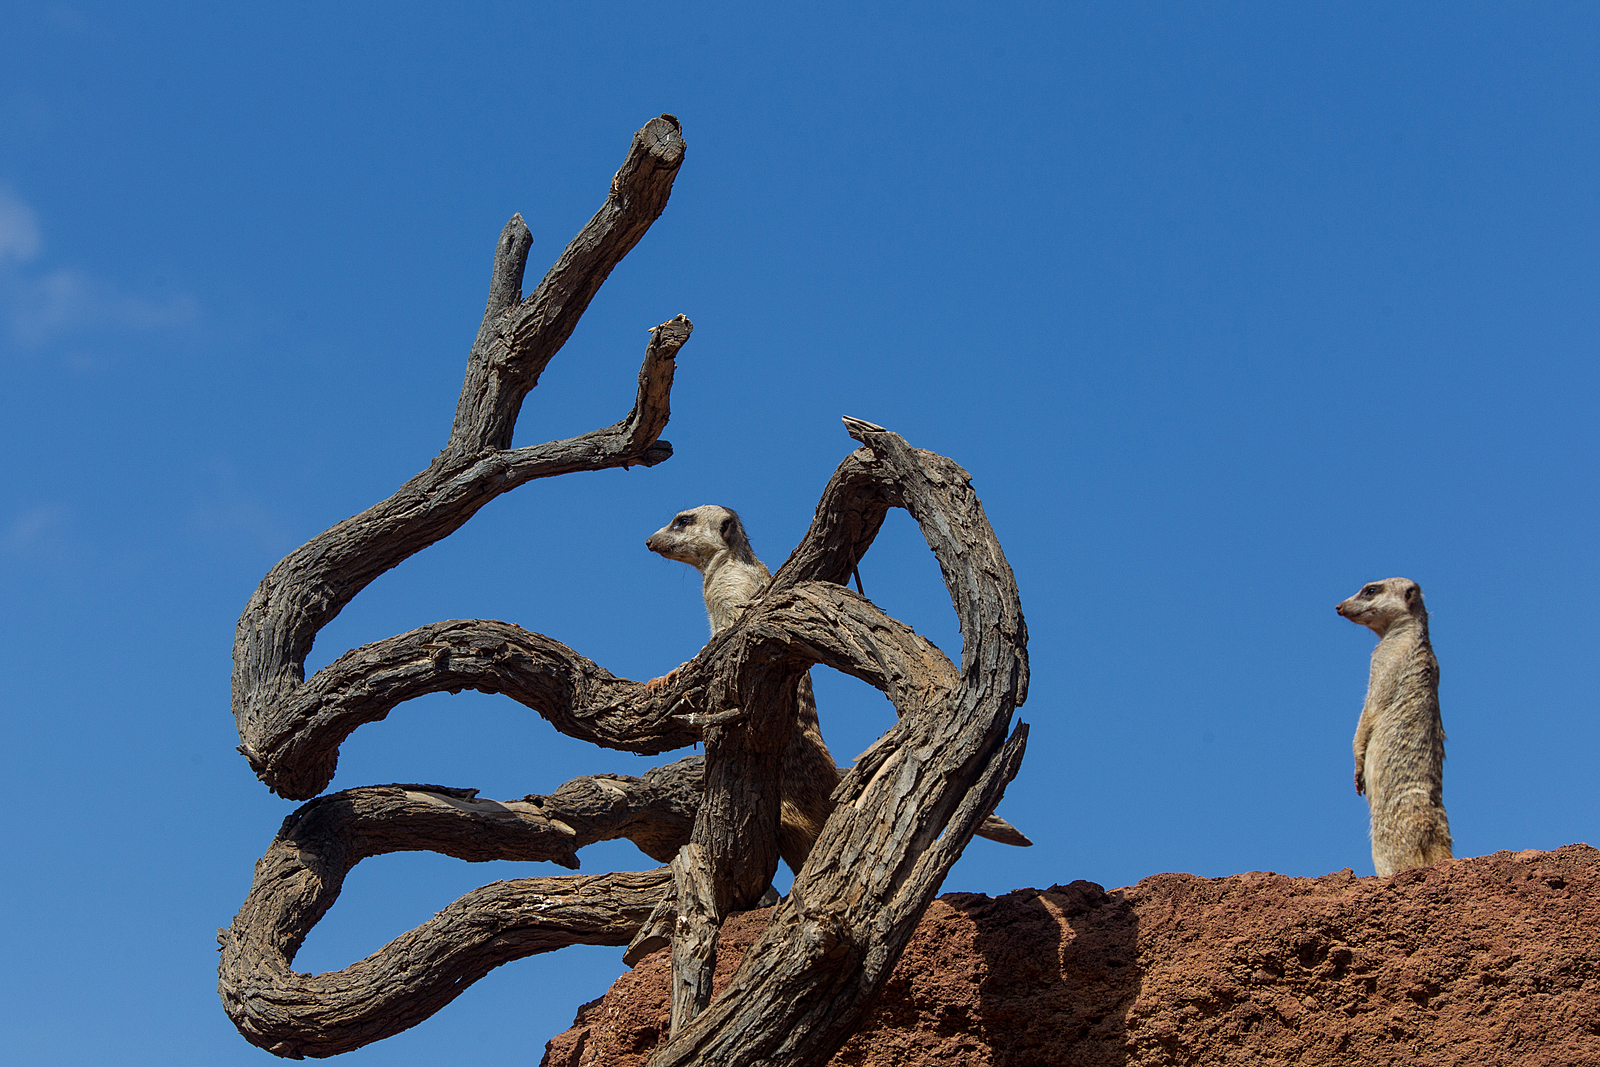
712	540
1399	743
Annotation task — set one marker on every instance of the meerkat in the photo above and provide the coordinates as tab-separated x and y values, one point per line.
712	539
1399	742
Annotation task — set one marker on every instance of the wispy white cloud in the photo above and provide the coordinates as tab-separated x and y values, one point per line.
64	302
36	529
19	228
43	304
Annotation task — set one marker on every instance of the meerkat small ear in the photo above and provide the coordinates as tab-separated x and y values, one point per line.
735	538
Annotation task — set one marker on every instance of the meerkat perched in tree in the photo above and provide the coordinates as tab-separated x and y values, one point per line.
712	540
1399	743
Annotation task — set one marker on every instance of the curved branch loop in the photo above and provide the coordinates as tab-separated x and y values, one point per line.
578	697
898	820
912	802
421	971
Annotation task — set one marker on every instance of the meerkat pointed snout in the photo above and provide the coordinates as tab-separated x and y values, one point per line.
711	539
1399	742
1379	605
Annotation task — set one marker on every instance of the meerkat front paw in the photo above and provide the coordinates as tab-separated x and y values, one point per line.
1361	787
656	685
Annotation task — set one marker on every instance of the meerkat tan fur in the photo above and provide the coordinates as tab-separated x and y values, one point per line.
1399	743
712	540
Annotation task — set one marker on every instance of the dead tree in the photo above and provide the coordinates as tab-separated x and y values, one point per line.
902	815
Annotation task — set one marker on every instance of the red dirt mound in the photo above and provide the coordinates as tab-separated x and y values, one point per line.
1494	960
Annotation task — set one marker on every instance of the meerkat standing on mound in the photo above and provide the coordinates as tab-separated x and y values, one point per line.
712	540
1399	743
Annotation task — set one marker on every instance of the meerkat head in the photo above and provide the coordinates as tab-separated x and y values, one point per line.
699	535
1379	605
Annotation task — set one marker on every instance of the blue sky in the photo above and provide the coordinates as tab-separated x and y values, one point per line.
1228	309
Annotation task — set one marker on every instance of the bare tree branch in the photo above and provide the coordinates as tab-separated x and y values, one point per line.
418	973
899	819
312	584
410	978
514	349
580	698
913	801
694	936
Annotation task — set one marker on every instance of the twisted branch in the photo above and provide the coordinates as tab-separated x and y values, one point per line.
913	801
418	973
578	697
904	812
518	337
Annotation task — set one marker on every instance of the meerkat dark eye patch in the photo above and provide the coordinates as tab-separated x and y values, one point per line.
1370	590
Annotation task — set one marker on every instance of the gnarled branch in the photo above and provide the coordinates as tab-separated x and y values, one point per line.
418	973
514	346
903	814
580	698
913	801
310	586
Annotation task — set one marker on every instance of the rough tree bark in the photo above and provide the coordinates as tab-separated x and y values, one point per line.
903	814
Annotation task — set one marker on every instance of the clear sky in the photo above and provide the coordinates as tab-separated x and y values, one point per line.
1228	309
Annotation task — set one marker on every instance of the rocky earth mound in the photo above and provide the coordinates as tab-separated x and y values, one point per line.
1494	960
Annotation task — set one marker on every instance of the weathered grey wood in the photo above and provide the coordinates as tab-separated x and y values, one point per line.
735	845
415	975
655	933
913	801
1001	832
424	969
515	347
903	814
787	632
579	698
694	936
305	590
